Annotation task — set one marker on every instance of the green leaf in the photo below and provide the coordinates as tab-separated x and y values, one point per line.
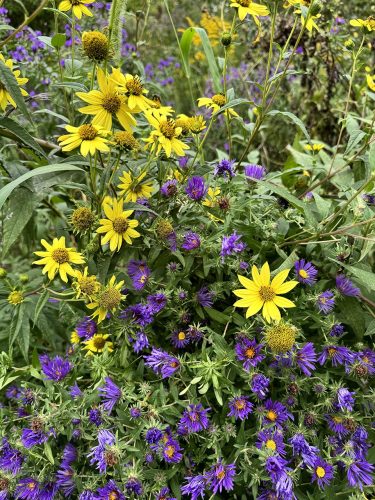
20	210
299	123
6	191
40	304
185	45
217	315
58	40
23	338
231	104
47	40
16	323
22	135
6	27
10	83
366	278
48	452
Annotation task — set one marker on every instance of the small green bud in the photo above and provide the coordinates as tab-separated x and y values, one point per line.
3	273
226	39
24	278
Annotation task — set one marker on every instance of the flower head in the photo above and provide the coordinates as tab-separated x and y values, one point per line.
78	7
89	137
132	188
225	168
191	241
280	337
58	259
110	394
162	363
231	244
98	343
264	293
325	302
56	368
139	273
196	188
249	352
220	477
107	300
255	172
240	407
346	287
5	97
95	45
165	135
260	385
194	419
28	489
305	272
275	413
306	358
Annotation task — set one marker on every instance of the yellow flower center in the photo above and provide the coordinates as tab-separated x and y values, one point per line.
221	474
169	451
250	353
244	3
320	472
271	415
240	404
110	298
60	255
267	293
120	225
111	103
303	273
167	128
270	444
31	485
181	336
125	140
331	352
95	45
337	420
99	342
135	86
15	297
281	337
83	217
113	495
87	132
219	99
88	284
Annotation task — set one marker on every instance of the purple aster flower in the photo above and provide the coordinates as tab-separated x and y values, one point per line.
169	188
87	495
276	468
225	168
336	424
194	334
139	314
345	400
339	355
271	440
27	396
65	480
346	287
275	413
164	494
194	419
110	491
153	435
248	351
28	489
86	328
12	392
162	363
55	369
11	459
305	358
359	443
359	473
191	241
220	477
240	407
195	487
171	451
256	172
133	485
69	455
139	273
302	448
48	490
156	302
306	273
260	385
337	330
110	394
32	437
196	188
103	454
135	412
75	391
95	416
205	297
180	339
325	302
231	244
140	342
369	199
323	472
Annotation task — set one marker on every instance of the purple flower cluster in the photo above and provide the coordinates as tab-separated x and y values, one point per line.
56	368
162	363
231	244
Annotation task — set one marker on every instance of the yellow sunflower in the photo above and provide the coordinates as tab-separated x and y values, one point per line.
368	23
58	259
78	7
117	227
309	21
132	87
261	292
132	188
106	103
248	7
97	344
5	97
165	136
107	300
216	102
86	286
157	109
89	137
212	197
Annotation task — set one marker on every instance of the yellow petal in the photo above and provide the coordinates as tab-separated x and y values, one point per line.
279	278
256	276
265	274
254	308
283	302
248	284
273	311
286	287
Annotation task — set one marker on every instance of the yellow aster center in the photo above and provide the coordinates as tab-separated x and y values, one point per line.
167	128
60	255
267	293
181	336
271	415
281	337
331	352
320	472
337	420
220	475
15	297
169	451
219	99
111	103
87	132
113	495
110	298
120	225
135	86
303	273
31	485
270	444
250	353
240	404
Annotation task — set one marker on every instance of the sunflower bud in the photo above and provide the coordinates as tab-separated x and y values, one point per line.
226	39
125	141
24	278
95	45
82	219
280	338
164	228
16	297
3	273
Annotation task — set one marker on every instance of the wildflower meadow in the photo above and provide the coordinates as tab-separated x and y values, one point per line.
187	229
